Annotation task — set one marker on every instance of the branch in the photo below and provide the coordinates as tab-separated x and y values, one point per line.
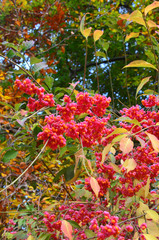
98	63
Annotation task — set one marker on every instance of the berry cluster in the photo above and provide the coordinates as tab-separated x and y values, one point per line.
44	100
100	222
151	101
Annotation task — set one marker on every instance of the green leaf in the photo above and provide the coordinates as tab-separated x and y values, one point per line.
127	119
89	233
38	66
62	151
44	236
11	154
34	60
82	24
74	224
140	63
104	44
69	173
27	44
49	81
6	104
143	82
20	71
100	54
11	53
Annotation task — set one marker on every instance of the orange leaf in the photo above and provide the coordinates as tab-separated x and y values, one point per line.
66	228
95	186
126	145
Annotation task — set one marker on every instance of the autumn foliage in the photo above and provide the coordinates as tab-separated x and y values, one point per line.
71	166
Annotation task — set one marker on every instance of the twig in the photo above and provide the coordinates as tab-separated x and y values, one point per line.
26	168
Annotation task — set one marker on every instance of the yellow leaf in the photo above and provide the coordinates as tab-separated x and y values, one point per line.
143	82
126	145
152	228
137	17
150	7
118	138
153	215
117	131
140	63
86	32
95	186
97	34
131	35
30	238
124	16
131	164
154	141
115	167
142	208
151	24
105	152
147	187
149	237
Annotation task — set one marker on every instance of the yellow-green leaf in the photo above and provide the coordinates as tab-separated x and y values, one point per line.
97	34
95	186
131	35
127	119
151	24
30	238
153	215
149	237
118	138
66	228
117	131
86	32
137	17
140	63
105	152
154	140
150	7
82	23
147	187
142	208
115	167
143	82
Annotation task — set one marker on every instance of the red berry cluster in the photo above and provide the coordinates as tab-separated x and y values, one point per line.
151	101
44	100
100	222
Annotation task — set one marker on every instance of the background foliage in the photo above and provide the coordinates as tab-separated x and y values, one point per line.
41	40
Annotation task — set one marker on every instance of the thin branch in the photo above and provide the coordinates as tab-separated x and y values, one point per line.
29	74
42	150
